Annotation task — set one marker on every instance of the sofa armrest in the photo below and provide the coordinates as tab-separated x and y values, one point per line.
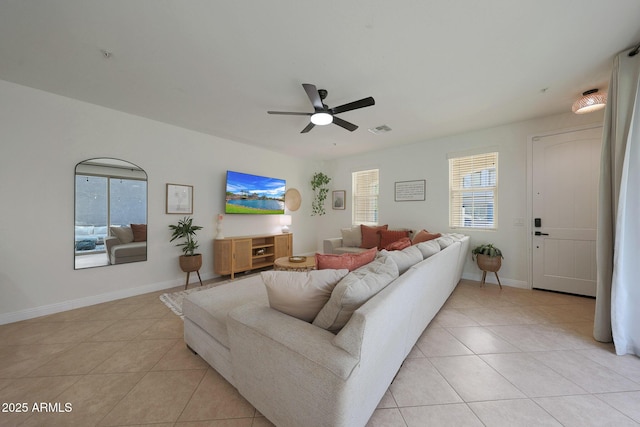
290	371
285	341
329	245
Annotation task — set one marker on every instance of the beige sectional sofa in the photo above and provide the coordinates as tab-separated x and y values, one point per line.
123	247
298	373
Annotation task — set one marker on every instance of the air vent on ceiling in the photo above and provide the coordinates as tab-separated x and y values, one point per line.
380	129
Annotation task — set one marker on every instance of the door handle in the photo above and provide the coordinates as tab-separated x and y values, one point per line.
538	233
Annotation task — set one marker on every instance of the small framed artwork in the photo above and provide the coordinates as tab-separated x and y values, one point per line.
179	199
338	200
410	191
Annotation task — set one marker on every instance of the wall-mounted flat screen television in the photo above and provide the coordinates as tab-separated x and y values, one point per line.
253	194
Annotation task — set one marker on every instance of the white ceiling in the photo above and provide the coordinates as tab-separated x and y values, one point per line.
434	67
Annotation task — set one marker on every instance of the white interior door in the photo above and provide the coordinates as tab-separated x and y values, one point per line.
565	192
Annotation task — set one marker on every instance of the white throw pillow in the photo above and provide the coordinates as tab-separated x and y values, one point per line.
301	294
428	248
351	237
405	258
353	290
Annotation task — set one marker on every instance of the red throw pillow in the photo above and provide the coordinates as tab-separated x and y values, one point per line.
348	261
424	236
399	245
387	237
371	235
139	232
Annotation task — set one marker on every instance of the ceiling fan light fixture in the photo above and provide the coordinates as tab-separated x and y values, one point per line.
321	119
591	101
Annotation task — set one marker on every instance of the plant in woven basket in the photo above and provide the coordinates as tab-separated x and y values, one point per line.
185	230
489	257
319	186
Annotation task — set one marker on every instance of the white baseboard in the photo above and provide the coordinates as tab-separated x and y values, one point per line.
491	278
45	310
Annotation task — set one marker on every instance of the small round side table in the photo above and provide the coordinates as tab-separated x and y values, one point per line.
284	264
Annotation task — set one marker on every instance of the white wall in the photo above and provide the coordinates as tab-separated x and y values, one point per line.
43	136
428	160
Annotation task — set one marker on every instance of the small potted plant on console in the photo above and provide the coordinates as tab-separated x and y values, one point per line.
489	258
190	261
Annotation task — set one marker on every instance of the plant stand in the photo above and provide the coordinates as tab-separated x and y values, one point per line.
187	282
487	263
484	276
189	264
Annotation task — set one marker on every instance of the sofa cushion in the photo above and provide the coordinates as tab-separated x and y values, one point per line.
388	237
371	235
428	248
351	237
139	232
404	258
353	290
124	233
398	245
350	261
424	236
209	308
301	294
444	241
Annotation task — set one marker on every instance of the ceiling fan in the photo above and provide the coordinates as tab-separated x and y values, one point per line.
323	115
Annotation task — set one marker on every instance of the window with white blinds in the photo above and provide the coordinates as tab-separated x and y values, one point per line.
473	191
365	186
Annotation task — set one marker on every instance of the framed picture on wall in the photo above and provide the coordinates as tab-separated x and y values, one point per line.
179	199
338	201
410	191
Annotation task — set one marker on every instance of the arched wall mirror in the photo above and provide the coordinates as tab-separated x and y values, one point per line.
110	213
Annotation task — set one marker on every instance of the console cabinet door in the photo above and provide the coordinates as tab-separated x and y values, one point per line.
283	246
241	255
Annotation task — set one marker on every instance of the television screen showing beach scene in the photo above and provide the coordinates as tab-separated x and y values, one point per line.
253	194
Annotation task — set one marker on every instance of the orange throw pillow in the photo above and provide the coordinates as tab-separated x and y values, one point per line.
424	236
371	235
399	245
387	237
348	261
139	232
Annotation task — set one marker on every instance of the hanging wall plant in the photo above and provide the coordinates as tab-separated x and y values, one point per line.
319	184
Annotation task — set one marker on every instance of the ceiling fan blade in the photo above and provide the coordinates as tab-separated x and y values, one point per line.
344	124
365	102
314	96
308	128
289	113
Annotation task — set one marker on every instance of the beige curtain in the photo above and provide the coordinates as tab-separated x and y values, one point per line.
618	292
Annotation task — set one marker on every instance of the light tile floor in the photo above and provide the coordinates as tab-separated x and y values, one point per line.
494	358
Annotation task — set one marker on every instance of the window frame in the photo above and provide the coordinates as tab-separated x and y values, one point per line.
365	208
461	166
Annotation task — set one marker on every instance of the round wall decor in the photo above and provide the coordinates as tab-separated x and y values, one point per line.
292	199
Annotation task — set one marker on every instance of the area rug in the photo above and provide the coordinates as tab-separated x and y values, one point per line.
173	300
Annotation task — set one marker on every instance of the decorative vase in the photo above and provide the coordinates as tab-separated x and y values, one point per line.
219	234
489	263
190	263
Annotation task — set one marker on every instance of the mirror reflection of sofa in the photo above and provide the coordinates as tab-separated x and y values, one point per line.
127	243
87	237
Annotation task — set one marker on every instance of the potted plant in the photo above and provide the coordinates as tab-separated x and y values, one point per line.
489	257
185	229
319	186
